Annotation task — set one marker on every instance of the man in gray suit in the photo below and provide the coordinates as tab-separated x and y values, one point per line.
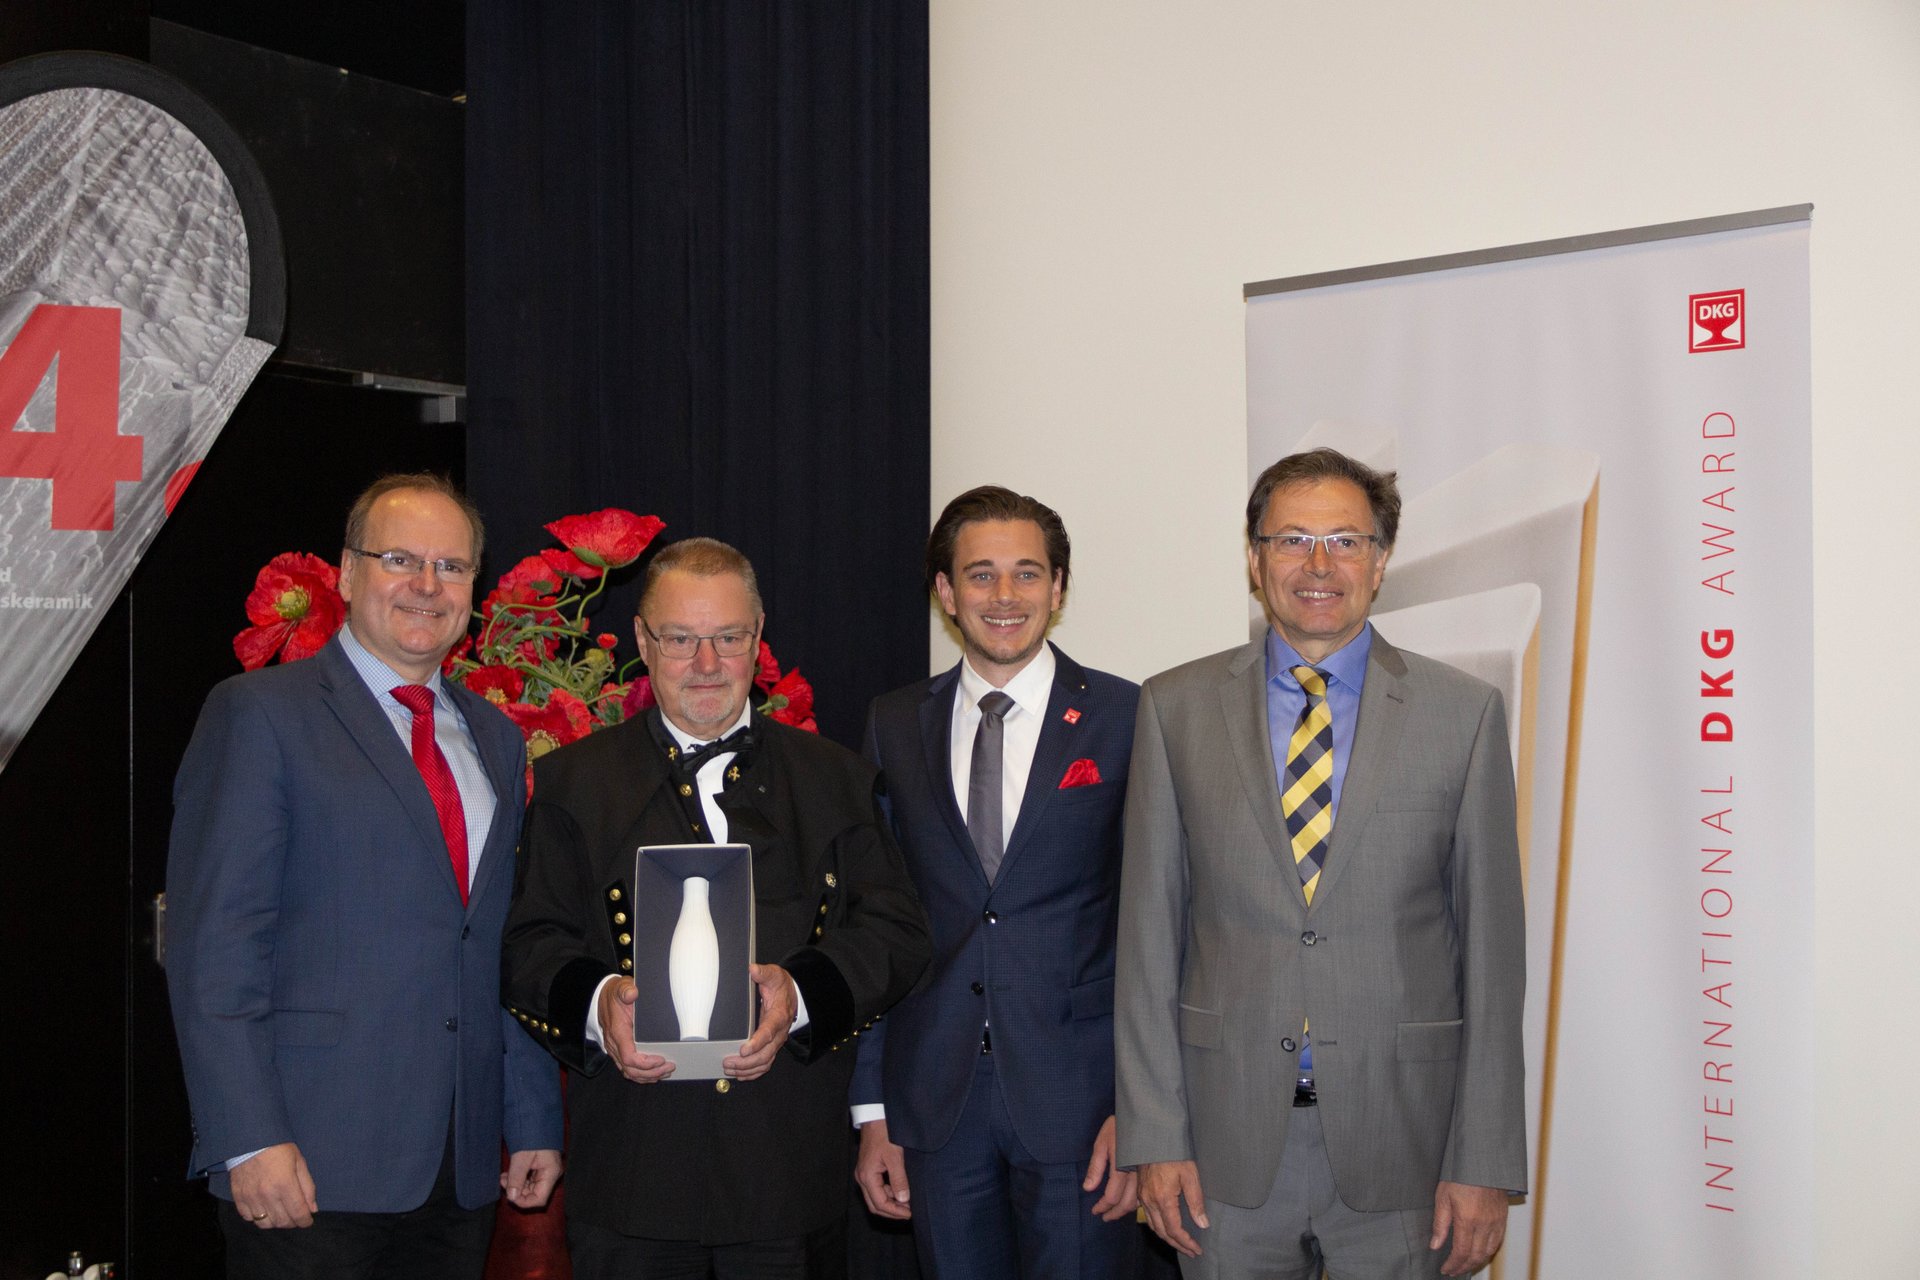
1321	959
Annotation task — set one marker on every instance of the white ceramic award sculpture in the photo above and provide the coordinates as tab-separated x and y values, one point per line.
693	961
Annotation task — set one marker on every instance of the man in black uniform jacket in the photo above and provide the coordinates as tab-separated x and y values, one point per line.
743	1174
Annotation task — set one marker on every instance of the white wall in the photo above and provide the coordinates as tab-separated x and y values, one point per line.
1108	173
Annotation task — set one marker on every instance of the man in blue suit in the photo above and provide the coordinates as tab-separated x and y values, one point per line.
985	1099
338	877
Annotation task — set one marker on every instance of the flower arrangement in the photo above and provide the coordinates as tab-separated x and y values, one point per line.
537	656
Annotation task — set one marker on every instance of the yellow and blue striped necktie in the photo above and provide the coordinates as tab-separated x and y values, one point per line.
1307	801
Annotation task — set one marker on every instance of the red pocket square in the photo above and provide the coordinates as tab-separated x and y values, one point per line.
1081	773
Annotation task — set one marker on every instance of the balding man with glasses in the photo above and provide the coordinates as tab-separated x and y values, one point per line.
1321	960
743	1176
340	867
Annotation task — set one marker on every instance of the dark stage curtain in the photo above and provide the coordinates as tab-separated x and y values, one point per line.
697	257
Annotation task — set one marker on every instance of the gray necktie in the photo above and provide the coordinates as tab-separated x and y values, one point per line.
983	784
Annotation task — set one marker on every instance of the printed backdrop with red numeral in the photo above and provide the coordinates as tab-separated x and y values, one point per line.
124	308
1604	457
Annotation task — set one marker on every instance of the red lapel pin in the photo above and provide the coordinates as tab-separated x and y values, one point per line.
1072	716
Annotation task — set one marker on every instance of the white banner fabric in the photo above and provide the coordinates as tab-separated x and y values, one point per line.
124	303
1605	459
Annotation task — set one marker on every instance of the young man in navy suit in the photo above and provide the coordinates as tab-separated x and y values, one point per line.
339	872
985	1099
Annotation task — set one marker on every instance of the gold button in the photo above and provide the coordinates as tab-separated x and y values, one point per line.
626	966
856	1032
818	931
625	939
613	895
696	828
830	880
823	908
685	790
619	917
555	1033
722	1085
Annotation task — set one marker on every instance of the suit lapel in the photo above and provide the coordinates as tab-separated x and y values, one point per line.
1056	749
354	705
1243	706
1376	741
640	771
936	735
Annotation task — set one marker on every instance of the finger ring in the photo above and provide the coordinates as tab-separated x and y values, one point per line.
260	1216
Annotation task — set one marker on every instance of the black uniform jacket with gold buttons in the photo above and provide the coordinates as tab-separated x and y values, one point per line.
684	1159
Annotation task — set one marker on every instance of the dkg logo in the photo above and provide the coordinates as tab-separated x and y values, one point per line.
1717	321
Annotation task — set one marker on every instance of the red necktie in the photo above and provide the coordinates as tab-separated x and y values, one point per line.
432	763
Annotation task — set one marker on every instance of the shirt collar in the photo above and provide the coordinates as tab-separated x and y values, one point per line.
1029	689
688	742
1346	665
377	675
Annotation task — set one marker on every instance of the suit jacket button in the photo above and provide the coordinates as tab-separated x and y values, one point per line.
977	989
1309	938
1287	1045
466	932
990	917
722	1085
453	1024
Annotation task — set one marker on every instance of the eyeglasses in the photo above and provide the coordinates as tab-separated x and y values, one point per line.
404	564
680	644
1342	548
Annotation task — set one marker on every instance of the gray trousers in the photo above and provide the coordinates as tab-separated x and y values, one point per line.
1303	1227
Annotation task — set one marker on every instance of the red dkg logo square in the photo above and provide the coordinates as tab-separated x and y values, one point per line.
1717	321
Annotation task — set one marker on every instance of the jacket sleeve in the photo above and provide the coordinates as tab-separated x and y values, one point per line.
871	945
1150	1094
550	966
531	1119
225	863
1486	1145
866	1089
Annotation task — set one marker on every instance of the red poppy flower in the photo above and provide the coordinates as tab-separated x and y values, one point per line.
639	698
566	562
520	601
564	719
768	673
607	640
498	685
295	607
451	663
607	539
791	702
533	576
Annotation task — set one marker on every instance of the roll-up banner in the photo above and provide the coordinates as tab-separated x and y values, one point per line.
1603	444
141	289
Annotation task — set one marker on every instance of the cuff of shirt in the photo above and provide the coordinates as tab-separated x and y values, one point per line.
593	1036
868	1112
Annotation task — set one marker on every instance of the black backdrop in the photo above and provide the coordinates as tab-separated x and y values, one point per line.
697	287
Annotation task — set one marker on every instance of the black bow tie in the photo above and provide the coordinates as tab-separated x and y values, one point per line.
692	758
